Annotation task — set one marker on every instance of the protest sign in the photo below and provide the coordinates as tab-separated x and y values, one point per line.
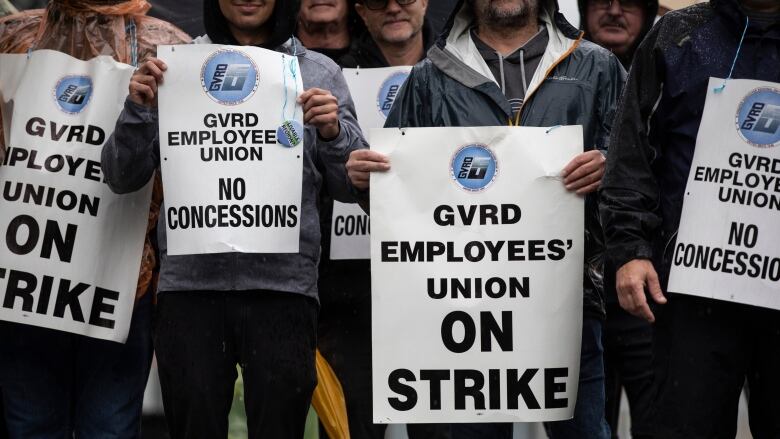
476	260
374	91
71	249
726	247
231	149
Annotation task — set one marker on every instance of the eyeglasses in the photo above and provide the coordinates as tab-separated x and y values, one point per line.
626	5
376	5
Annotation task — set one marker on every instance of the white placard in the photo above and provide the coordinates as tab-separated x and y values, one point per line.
482	213
349	231
727	243
232	181
374	92
71	248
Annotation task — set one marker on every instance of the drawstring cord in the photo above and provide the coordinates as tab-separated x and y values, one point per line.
294	72
722	87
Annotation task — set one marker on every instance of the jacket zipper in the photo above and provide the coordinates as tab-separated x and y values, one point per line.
576	44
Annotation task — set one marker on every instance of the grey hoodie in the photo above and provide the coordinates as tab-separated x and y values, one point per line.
131	156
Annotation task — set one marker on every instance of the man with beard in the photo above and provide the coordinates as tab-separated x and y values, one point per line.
57	384
259	311
620	26
497	59
703	349
398	34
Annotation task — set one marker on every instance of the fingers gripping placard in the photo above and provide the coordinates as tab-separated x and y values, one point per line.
476	252
231	147
71	249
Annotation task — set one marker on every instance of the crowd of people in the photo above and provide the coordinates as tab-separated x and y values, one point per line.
636	84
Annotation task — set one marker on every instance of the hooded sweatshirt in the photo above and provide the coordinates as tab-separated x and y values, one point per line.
131	156
513	72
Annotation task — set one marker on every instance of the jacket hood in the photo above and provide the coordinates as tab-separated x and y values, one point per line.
458	57
549	8
282	23
651	11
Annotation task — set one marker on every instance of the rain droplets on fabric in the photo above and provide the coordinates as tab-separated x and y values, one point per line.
722	87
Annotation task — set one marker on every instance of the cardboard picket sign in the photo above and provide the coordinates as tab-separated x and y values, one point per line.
476	259
726	247
71	249
374	92
231	148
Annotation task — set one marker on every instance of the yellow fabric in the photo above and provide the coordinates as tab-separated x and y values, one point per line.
328	401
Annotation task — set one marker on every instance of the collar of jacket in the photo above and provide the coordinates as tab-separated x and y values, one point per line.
368	51
460	59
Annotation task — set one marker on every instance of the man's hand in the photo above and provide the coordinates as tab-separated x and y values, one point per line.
362	163
145	81
321	109
632	278
583	174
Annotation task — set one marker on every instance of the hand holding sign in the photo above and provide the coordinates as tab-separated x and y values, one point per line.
145	80
321	109
362	163
584	172
631	281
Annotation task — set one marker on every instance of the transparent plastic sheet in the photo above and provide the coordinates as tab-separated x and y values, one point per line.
85	29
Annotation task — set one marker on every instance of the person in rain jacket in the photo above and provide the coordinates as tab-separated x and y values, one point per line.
57	384
215	311
545	74
703	349
620	26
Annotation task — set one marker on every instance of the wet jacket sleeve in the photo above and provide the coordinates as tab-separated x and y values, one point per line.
629	191
132	153
333	153
611	83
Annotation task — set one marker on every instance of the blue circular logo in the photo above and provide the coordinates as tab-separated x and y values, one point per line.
72	93
474	167
229	77
389	91
758	118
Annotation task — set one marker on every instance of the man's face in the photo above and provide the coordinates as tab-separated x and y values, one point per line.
615	24
247	15
504	13
323	11
395	23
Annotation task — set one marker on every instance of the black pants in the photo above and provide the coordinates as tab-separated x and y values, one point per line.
628	354
3	428
345	341
200	337
703	352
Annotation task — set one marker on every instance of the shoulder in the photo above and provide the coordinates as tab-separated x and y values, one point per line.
17	31
317	70
157	31
318	60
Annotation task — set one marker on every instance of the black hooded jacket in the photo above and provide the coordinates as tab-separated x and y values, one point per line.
651	11
578	83
657	123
